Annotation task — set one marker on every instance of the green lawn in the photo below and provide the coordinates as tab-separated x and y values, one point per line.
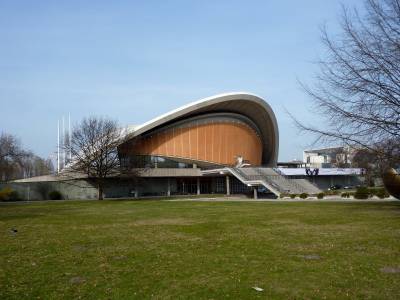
200	250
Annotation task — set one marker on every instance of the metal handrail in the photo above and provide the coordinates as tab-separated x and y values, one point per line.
279	182
259	179
283	178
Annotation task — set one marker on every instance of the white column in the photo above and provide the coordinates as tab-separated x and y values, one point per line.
198	185
63	142
29	193
69	137
58	146
228	188
255	192
169	188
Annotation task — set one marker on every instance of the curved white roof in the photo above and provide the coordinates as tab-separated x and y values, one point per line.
249	105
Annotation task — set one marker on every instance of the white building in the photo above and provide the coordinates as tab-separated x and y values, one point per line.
333	157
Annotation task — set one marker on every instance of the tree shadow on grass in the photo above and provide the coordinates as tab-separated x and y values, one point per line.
26	212
11	217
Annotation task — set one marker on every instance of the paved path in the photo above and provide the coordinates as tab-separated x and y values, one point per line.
232	199
222	199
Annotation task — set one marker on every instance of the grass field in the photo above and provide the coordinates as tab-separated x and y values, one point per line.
199	250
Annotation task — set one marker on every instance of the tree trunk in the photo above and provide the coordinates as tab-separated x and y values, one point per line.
100	191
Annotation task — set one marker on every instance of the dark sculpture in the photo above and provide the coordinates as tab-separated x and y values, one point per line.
310	172
391	180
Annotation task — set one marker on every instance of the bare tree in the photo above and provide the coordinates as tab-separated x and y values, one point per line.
10	147
33	165
94	150
16	163
370	163
11	157
358	86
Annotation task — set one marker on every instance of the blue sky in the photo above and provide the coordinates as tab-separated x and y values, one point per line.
133	60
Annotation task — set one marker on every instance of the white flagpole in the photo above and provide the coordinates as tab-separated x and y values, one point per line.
63	141
69	136
58	146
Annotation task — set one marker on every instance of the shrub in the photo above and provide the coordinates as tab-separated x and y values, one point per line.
303	195
332	193
55	195
293	196
320	195
283	195
361	193
14	196
345	195
4	193
8	194
381	193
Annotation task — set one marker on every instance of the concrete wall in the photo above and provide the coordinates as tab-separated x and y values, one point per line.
325	182
78	189
150	186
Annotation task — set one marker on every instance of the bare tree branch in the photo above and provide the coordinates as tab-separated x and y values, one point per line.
358	87
94	149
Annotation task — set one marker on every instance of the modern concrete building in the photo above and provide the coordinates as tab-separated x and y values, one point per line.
214	131
331	157
186	150
225	144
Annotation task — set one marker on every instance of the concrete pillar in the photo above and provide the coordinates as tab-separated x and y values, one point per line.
228	188
255	192
136	190
198	185
29	193
168	188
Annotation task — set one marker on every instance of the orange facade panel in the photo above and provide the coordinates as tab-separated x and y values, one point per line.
216	142
202	142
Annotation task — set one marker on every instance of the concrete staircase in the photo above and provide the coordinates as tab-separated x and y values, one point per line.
274	181
251	177
307	186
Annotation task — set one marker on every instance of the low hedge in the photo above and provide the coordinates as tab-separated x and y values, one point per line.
331	193
320	195
292	196
379	192
345	195
365	193
362	193
8	194
303	195
55	195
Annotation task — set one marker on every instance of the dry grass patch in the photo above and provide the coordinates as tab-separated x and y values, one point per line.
165	221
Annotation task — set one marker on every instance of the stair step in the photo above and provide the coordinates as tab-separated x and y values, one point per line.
274	180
